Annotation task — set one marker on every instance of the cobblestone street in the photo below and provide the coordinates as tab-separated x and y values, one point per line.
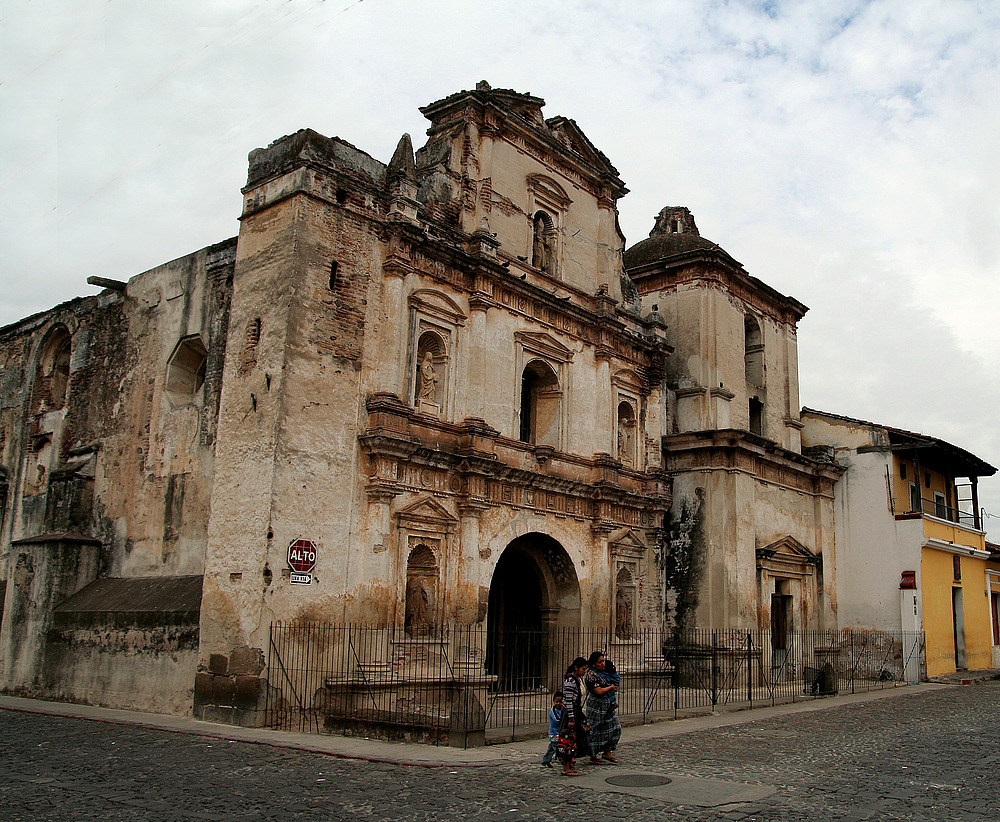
931	755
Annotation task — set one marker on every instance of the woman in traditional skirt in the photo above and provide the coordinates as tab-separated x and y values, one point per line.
573	723
602	709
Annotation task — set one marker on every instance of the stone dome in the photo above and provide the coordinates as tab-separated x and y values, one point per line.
674	233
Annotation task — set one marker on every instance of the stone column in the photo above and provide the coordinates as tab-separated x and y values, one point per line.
604	411
467	578
609	262
475	377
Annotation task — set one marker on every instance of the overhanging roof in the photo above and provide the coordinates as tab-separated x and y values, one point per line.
932	452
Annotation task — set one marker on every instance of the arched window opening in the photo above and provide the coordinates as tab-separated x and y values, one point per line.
429	378
626	434
753	347
186	368
51	382
624	604
540	398
56	369
543	237
421	591
756	416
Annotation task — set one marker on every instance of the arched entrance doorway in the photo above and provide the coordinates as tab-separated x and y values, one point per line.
534	593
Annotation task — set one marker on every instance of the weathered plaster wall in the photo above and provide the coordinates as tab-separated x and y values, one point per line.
323	433
589	247
109	463
871	554
719	520
707	331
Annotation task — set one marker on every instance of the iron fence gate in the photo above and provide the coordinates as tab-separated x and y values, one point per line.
447	686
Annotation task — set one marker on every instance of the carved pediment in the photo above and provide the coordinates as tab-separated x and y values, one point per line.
548	189
437	304
787	552
628	542
544	345
626	378
569	134
428	513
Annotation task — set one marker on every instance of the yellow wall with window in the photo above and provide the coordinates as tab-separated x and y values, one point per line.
938	582
928	482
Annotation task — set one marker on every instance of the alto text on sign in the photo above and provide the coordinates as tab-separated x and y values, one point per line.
302	555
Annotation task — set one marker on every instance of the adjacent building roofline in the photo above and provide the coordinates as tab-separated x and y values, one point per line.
901	440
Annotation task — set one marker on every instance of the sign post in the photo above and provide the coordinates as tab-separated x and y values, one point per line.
301	559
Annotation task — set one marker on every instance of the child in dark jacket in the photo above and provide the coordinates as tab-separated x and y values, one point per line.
554	716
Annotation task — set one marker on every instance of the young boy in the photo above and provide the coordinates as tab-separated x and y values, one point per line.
554	716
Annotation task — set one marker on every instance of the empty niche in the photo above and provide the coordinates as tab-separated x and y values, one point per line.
186	367
421	591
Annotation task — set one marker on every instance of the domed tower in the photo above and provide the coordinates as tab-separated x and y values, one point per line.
736	364
751	523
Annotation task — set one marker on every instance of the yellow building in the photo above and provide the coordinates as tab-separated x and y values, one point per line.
911	548
993	589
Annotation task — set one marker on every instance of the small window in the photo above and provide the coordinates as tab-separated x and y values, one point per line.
334	267
940	505
927	479
540	399
186	368
957	566
902	470
753	351
756	417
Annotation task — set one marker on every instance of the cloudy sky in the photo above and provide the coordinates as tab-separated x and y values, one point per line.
846	152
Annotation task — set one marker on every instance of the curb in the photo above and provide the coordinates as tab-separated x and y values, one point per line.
400	753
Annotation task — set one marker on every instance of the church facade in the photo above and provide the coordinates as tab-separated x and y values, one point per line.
440	378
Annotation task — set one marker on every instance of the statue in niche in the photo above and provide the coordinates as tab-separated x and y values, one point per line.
417	621
623	613
541	245
428	378
626	444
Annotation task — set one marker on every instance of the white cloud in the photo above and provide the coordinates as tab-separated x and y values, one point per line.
843	150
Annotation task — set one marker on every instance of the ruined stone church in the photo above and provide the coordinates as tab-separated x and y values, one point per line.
446	380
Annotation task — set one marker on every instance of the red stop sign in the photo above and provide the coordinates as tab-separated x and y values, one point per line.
302	555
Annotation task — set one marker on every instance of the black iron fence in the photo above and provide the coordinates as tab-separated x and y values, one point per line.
465	685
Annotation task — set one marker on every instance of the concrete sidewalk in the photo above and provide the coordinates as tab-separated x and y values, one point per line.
376	750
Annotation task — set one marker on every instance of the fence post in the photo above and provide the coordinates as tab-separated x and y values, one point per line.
749	669
853	663
715	670
675	679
